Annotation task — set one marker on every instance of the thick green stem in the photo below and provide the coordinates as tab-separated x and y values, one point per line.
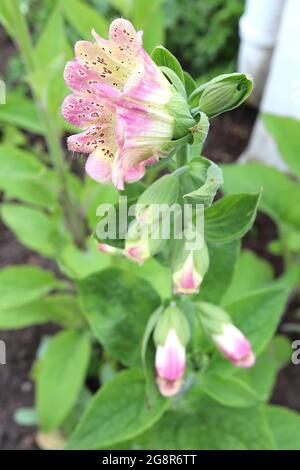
182	156
23	41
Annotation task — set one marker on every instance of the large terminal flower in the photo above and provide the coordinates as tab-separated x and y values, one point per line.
123	103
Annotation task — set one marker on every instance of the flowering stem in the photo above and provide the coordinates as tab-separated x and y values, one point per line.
23	42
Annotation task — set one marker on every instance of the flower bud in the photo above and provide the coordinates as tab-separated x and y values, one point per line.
223	93
189	265
171	335
140	244
230	341
105	248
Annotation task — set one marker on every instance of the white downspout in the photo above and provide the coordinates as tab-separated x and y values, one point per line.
258	32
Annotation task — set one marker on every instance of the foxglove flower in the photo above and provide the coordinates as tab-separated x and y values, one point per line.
189	267
171	335
170	365
124	104
234	346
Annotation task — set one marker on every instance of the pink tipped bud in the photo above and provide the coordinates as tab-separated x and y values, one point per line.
187	279
170	365
234	346
104	248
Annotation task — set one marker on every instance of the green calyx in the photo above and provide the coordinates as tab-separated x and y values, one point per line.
222	93
172	318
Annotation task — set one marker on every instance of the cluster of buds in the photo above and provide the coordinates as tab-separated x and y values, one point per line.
171	335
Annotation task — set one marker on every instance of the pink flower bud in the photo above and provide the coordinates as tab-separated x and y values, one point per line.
170	365
105	248
234	346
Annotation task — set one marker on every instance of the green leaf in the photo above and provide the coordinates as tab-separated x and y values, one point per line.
230	218
21	111
222	262
164	58
78	263
61	377
229	391
202	181
22	284
6	16
280	196
285	426
117	412
124	6
285	131
257	314
61	309
33	228
83	18
119	320
52	41
189	82
210	426
23	177
251	273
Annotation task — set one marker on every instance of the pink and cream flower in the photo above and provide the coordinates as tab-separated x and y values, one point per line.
234	346
170	363
120	100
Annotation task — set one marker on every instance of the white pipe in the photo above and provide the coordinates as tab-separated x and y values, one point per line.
258	32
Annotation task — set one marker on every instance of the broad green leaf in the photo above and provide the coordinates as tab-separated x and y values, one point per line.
210	426
22	112
159	276
78	263
52	41
33	228
251	273
22	284
201	183
280	195
230	218
285	427
164	58
83	18
124	6
6	16
222	261
286	130
117	412
117	305
229	391
61	309
189	82
149	17
23	177
61	377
